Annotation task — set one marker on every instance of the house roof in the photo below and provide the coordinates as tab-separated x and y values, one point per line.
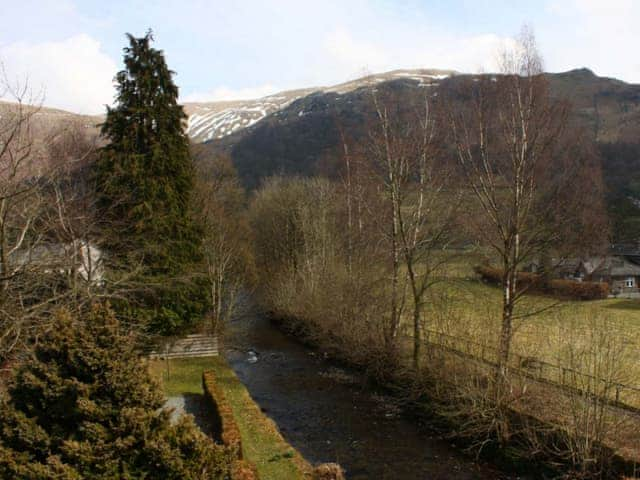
625	249
626	269
614	266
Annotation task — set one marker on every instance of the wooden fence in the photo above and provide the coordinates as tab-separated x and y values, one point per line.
624	396
197	345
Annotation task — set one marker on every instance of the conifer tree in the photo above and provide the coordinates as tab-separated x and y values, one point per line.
145	178
85	406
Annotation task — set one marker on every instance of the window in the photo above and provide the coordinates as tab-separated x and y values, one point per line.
630	282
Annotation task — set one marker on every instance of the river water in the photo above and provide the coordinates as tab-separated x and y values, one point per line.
331	415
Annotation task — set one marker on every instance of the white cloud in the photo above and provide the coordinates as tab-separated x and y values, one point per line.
73	74
603	37
345	55
226	93
349	52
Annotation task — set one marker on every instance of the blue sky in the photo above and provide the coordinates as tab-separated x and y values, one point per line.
70	49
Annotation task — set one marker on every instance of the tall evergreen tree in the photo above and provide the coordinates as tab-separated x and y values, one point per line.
145	178
146	172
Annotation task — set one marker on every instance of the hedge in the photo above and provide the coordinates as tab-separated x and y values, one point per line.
243	470
559	288
226	427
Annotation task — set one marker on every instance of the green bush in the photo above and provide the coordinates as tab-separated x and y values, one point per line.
85	406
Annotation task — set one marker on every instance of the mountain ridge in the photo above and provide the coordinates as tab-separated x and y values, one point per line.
214	120
297	131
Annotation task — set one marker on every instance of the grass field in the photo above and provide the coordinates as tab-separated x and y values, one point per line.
575	334
262	443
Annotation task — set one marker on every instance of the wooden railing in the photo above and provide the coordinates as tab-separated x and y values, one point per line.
190	346
621	395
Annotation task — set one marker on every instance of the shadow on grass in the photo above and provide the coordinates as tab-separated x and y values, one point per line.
197	405
625	305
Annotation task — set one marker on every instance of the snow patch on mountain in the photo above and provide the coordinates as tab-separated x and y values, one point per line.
209	121
214	120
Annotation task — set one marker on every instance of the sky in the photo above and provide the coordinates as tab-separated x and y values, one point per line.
69	50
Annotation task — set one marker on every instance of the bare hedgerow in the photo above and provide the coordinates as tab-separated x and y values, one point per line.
337	299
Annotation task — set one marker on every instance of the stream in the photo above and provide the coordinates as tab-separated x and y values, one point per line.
330	414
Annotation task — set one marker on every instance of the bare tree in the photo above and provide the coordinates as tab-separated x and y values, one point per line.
70	218
49	244
510	142
228	258
20	205
404	148
31	283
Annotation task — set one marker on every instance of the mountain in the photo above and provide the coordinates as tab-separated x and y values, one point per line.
43	126
609	108
303	137
215	120
299	131
47	120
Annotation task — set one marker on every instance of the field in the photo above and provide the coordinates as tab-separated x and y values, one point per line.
263	444
572	334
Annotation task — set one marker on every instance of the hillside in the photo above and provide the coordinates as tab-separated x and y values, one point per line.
215	120
303	138
609	108
47	120
298	131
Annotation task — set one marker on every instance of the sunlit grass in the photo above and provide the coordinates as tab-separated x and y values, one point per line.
262	443
545	328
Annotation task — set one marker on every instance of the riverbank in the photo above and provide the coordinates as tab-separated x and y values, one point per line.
427	400
331	413
262	443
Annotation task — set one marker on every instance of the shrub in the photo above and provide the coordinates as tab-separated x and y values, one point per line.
243	470
227	428
560	288
85	406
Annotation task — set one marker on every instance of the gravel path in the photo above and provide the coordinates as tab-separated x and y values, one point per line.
196	405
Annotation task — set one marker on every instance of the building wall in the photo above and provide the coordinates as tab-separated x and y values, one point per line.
618	287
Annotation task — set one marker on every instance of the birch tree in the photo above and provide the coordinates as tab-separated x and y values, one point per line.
521	166
405	147
228	259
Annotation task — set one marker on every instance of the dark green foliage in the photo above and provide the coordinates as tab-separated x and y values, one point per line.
171	305
145	178
622	179
85	406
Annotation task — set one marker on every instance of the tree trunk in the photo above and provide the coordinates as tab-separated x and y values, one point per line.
417	338
506	330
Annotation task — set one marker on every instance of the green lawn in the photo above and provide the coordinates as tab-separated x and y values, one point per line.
182	376
262	443
586	336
